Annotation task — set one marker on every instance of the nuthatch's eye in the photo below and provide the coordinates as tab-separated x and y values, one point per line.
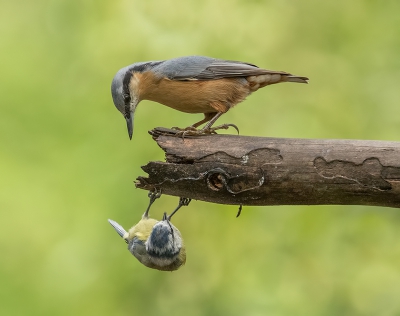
127	98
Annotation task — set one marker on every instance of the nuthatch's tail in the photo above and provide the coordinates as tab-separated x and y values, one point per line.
270	77
296	79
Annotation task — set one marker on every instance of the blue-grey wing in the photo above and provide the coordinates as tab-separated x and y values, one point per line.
206	68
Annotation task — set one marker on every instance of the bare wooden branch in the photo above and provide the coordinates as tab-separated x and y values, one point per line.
244	170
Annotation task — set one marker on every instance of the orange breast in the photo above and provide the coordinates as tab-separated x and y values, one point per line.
193	96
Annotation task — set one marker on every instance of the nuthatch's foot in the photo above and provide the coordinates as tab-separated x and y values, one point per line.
212	130
182	202
192	131
182	132
189	128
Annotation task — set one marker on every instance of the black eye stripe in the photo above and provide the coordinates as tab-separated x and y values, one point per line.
127	114
127	79
125	93
127	101
125	87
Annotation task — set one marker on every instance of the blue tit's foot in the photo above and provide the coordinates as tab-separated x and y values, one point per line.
182	202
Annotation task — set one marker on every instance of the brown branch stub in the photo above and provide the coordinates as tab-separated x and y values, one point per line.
244	170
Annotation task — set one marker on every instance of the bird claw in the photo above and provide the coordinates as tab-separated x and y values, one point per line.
189	128
184	201
153	195
187	131
192	131
212	130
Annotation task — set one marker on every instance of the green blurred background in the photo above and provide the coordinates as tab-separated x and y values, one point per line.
67	163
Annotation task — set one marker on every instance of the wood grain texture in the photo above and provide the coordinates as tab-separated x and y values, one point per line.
244	170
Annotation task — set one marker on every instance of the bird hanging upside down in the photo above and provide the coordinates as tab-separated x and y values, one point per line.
156	244
192	84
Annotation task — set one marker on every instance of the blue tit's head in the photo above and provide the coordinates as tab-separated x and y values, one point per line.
164	243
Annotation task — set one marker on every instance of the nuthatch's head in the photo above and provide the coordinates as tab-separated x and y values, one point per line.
122	96
156	244
124	90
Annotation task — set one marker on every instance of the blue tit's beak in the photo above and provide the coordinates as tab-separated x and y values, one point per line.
118	228
129	124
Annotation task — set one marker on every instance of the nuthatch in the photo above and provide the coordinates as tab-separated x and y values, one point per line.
156	244
192	84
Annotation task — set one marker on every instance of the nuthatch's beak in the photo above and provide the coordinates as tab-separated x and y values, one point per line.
129	124
119	229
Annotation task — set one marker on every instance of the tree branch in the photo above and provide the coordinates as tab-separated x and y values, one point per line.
244	170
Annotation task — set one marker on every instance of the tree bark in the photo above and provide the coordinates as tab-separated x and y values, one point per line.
245	170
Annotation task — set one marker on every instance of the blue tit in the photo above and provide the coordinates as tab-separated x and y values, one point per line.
156	244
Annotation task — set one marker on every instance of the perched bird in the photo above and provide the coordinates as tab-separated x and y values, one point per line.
156	244
192	84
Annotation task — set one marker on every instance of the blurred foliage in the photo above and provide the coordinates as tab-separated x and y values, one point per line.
67	164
